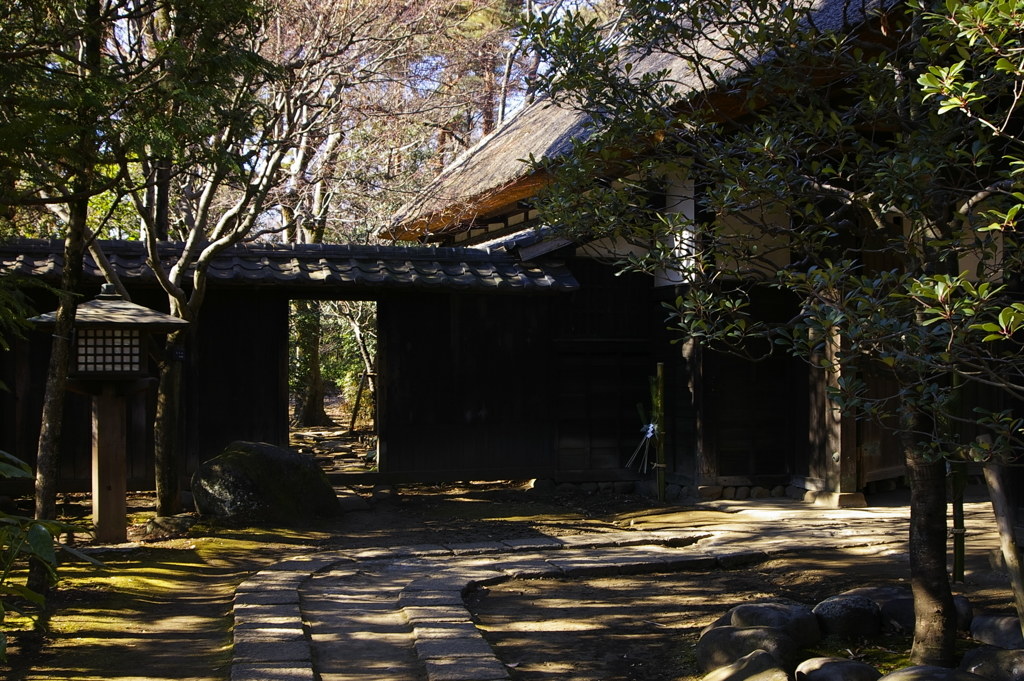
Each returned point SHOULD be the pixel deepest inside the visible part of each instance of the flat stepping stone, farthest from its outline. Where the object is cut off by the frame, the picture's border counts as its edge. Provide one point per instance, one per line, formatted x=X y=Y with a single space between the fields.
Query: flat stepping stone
x=475 y=548
x=271 y=672
x=538 y=544
x=466 y=669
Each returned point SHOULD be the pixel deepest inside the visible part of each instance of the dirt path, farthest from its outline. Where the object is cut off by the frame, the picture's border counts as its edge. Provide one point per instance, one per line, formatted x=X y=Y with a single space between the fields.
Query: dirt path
x=160 y=611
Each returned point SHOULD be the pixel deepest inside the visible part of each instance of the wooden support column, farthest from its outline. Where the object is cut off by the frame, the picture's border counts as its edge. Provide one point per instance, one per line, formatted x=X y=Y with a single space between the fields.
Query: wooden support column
x=700 y=365
x=109 y=481
x=840 y=442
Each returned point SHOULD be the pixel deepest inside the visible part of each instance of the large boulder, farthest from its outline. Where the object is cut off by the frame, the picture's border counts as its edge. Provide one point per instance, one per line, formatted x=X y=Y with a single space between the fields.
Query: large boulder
x=253 y=482
x=835 y=669
x=849 y=616
x=722 y=646
x=995 y=664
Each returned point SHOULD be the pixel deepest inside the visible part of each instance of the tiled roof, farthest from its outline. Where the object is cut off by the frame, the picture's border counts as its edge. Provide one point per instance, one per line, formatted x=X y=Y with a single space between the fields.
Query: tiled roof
x=310 y=265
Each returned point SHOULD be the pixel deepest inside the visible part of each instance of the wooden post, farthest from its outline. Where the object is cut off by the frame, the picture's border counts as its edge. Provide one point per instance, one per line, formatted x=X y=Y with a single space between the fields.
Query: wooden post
x=109 y=484
x=659 y=418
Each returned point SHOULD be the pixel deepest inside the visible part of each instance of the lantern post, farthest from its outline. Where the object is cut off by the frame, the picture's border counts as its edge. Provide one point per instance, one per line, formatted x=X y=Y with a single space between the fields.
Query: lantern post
x=109 y=361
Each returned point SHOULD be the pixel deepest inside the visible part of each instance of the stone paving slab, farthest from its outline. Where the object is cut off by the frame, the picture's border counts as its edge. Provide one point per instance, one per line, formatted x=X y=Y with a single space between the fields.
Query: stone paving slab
x=442 y=648
x=271 y=672
x=466 y=669
x=476 y=548
x=308 y=564
x=425 y=598
x=276 y=596
x=439 y=613
x=446 y=630
x=530 y=569
x=426 y=550
x=540 y=543
x=269 y=634
x=277 y=651
x=273 y=579
x=268 y=614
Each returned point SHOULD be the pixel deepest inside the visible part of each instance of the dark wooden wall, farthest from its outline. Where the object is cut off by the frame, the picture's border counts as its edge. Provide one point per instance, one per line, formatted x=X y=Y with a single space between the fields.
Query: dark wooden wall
x=464 y=387
x=753 y=415
x=236 y=375
x=484 y=386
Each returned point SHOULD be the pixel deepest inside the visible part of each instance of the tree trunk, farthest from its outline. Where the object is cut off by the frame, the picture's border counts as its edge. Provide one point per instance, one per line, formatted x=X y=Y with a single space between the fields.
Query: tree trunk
x=935 y=623
x=166 y=431
x=309 y=403
x=364 y=351
x=56 y=382
x=1005 y=513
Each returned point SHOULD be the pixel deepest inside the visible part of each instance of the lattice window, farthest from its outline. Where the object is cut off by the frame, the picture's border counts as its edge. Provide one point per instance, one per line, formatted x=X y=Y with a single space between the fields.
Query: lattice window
x=108 y=351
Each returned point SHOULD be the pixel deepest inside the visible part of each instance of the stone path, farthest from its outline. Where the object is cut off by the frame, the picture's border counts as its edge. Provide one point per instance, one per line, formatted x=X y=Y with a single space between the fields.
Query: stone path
x=397 y=614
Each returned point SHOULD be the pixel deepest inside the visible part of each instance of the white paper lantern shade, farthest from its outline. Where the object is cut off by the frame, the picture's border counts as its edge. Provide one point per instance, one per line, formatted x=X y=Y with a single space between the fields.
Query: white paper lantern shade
x=108 y=351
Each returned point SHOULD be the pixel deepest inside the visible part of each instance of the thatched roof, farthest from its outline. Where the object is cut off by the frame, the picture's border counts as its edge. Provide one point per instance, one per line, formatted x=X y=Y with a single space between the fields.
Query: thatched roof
x=494 y=174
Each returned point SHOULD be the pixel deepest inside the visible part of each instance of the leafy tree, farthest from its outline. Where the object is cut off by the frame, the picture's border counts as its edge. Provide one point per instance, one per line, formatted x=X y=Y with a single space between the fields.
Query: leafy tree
x=87 y=85
x=864 y=161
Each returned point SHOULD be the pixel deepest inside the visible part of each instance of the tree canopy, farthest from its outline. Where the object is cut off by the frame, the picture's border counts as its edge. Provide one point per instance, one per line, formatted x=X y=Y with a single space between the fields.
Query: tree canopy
x=864 y=158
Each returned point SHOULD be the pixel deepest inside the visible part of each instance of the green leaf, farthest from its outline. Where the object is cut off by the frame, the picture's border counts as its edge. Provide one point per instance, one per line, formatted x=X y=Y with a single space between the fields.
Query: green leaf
x=9 y=471
x=1004 y=65
x=12 y=589
x=41 y=542
x=79 y=555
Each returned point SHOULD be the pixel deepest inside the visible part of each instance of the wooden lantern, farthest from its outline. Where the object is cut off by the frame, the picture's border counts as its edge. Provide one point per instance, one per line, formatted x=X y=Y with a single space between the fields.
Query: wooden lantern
x=109 y=360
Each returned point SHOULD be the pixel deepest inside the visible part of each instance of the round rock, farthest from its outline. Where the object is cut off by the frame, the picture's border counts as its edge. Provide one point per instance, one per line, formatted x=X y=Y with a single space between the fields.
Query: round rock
x=995 y=664
x=796 y=621
x=758 y=666
x=928 y=673
x=848 y=616
x=835 y=669
x=898 y=615
x=880 y=594
x=723 y=646
x=1002 y=631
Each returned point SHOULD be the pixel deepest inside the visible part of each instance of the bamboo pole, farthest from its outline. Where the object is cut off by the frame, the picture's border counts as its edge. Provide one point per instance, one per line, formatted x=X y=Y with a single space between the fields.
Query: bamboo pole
x=660 y=420
x=959 y=482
